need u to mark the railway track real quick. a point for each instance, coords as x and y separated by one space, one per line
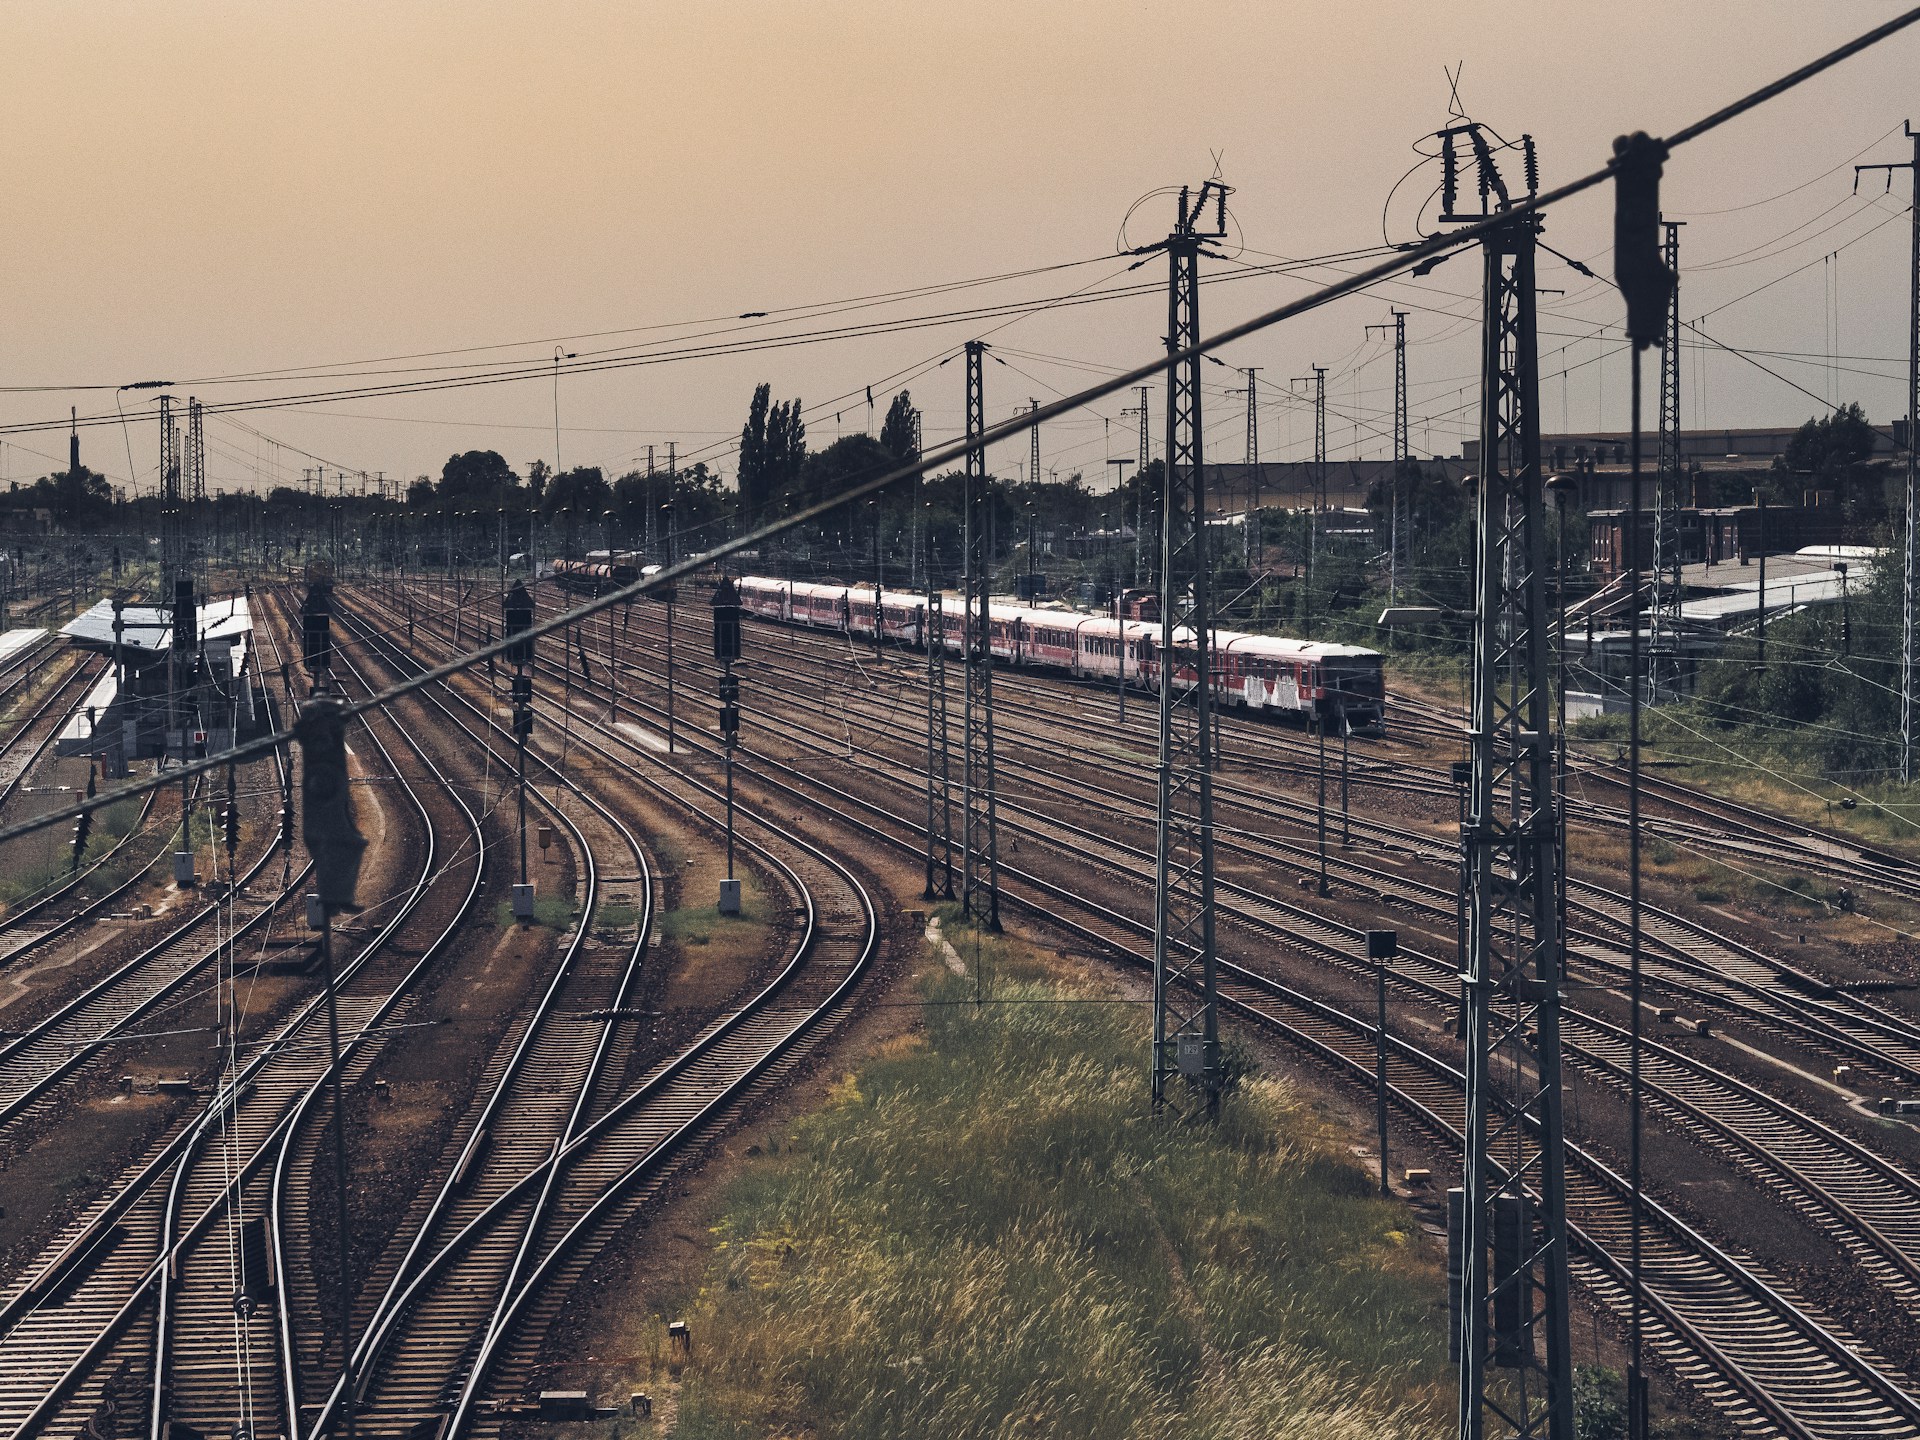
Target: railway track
604 1166
41 726
100 1313
1802 1410
1694 964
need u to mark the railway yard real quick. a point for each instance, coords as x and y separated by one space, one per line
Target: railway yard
1058 887
521 1096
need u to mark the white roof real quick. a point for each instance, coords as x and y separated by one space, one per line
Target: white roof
14 641
79 729
150 628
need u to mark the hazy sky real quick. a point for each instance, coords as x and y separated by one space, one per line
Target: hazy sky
202 190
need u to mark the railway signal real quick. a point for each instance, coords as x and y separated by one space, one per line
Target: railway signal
516 620
726 649
1382 946
83 827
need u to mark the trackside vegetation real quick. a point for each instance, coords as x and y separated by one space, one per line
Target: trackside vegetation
985 1233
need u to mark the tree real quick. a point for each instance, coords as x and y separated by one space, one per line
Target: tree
754 474
419 493
581 492
786 452
76 497
900 431
476 477
1835 453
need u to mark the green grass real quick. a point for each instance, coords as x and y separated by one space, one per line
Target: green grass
700 922
988 1234
555 912
616 916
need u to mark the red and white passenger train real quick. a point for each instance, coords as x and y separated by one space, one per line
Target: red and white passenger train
1253 672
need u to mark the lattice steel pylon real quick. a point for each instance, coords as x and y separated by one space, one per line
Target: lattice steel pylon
1511 1239
1398 482
1663 670
1186 1009
172 530
196 456
1910 573
939 767
980 860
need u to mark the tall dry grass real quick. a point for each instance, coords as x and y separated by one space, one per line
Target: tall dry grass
986 1234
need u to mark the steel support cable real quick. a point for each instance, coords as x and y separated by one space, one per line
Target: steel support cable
1017 424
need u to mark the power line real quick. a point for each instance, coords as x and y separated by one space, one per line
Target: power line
1406 259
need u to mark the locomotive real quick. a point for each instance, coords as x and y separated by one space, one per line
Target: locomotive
1338 684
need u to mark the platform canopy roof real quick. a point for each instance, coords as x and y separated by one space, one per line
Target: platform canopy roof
149 629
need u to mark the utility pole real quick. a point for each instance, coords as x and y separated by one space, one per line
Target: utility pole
1140 412
172 537
1319 379
1910 587
980 855
1399 480
917 559
1252 523
1512 1207
1033 466
1663 670
1186 1010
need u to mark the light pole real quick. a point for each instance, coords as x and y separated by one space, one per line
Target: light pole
1120 500
560 353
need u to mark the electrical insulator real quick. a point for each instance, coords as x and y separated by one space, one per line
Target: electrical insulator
1532 158
1449 174
586 670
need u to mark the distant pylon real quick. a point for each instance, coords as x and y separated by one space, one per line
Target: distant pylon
1663 673
980 855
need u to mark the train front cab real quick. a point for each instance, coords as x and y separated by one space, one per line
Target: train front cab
1353 693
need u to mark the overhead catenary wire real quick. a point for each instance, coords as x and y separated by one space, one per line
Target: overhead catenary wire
1018 424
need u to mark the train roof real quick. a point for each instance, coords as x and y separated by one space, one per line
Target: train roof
1241 643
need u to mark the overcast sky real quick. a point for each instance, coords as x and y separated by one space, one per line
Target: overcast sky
204 190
